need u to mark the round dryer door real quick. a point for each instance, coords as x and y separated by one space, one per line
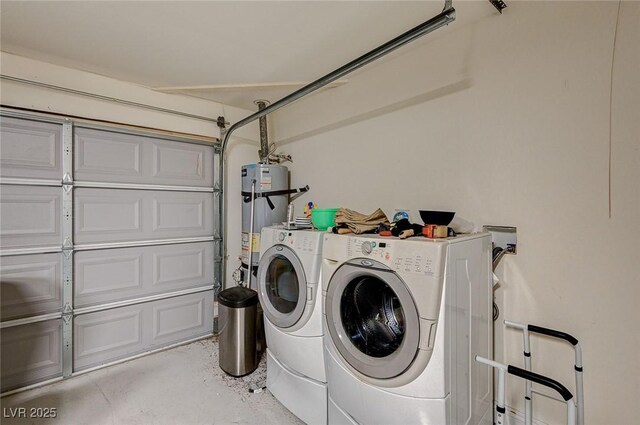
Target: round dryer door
282 286
372 319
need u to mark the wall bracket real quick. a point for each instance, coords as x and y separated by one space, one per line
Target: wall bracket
498 4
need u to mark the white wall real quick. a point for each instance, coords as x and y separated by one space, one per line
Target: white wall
242 147
505 120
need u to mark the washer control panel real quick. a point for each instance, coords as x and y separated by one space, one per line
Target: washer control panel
401 256
373 249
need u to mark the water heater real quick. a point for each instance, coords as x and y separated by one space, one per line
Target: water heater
270 185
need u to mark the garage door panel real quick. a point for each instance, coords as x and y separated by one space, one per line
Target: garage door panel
110 335
30 216
30 285
121 158
107 276
108 214
180 214
184 265
187 164
180 318
112 215
111 275
30 149
174 318
31 353
100 157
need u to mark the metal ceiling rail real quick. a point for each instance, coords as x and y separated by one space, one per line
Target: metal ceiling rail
444 18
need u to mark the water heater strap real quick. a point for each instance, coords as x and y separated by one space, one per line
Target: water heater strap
247 195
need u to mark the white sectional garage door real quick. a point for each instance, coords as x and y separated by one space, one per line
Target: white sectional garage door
106 243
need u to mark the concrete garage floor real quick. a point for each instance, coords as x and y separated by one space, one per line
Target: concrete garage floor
183 386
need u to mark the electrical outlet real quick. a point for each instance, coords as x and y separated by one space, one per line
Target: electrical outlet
504 237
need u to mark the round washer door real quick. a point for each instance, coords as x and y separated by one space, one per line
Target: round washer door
372 319
282 286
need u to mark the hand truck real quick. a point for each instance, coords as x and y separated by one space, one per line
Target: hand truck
526 331
529 376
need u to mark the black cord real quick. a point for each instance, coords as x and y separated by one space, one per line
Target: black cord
497 254
257 390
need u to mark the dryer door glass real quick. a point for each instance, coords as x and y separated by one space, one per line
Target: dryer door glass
282 285
372 316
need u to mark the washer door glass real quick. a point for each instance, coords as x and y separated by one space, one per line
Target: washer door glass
372 319
282 286
372 316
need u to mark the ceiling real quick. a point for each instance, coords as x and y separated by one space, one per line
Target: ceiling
262 49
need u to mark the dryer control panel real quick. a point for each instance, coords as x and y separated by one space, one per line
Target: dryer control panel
301 241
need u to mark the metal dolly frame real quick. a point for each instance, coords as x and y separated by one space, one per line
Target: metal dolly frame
526 331
529 376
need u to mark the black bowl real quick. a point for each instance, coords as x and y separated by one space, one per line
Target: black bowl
442 218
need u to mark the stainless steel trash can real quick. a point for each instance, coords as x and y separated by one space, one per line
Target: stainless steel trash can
237 323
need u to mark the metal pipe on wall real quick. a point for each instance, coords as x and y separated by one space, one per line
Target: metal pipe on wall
263 153
253 209
444 18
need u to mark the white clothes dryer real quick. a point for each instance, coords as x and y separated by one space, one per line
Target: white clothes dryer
290 294
404 320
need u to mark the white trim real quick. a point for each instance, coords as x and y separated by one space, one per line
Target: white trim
28 251
116 127
109 306
105 185
110 245
32 386
28 320
29 182
137 356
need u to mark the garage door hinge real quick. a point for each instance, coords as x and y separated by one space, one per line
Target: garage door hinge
67 312
67 179
67 245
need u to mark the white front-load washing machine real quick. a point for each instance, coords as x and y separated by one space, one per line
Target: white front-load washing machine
290 294
404 320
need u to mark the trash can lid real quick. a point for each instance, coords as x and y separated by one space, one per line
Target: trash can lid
238 297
